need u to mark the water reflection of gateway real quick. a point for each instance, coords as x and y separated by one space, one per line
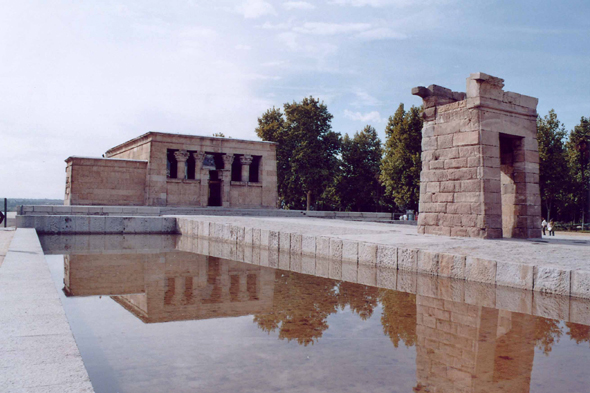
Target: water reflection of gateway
172 286
466 348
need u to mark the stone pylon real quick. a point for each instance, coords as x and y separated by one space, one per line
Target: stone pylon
480 162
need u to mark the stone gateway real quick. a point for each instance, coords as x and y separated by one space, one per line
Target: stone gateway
159 169
480 162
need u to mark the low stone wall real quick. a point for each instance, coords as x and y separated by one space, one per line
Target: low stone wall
54 224
545 279
570 309
209 211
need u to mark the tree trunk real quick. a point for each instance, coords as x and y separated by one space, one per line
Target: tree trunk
308 200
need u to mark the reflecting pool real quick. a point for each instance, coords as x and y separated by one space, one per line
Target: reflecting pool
155 319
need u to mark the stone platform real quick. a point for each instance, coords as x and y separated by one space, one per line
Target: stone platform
558 265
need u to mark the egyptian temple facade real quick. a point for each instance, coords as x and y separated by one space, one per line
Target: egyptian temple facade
480 162
159 169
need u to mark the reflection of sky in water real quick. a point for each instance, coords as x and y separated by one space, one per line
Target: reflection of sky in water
124 354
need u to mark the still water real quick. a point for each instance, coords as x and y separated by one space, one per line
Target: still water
174 321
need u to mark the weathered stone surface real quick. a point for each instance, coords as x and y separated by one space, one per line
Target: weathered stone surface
552 280
407 259
480 270
349 271
462 143
514 275
451 266
367 254
350 251
387 277
428 262
387 256
308 245
580 283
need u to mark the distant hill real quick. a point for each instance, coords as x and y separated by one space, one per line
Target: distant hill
14 202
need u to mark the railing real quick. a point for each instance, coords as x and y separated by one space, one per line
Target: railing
4 216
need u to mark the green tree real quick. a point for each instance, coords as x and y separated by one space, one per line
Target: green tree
578 148
553 166
358 185
308 147
401 165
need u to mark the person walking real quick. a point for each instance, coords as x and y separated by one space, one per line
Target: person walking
544 225
551 228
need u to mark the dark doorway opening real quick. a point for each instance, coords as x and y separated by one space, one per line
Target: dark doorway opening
512 186
214 189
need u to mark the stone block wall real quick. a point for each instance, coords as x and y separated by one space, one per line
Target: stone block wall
100 181
480 162
161 190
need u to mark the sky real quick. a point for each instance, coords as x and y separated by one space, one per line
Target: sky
77 78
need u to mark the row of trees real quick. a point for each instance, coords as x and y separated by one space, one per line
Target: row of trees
319 169
564 168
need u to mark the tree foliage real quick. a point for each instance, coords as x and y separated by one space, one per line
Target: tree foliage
307 159
553 166
358 185
578 149
401 165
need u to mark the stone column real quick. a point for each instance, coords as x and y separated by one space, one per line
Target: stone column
199 156
228 160
246 160
181 157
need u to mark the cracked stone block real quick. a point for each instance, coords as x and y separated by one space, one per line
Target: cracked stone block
367 254
264 257
580 284
256 238
452 289
308 245
514 275
273 240
264 238
284 260
580 311
296 262
323 247
427 285
284 242
407 259
552 280
273 258
480 270
296 245
350 251
336 249
387 256
248 236
428 262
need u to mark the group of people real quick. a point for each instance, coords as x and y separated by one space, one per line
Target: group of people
548 226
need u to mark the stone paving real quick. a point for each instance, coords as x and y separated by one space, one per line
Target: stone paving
559 264
38 350
5 238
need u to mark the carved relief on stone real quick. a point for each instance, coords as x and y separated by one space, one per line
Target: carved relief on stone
199 156
246 159
228 159
181 155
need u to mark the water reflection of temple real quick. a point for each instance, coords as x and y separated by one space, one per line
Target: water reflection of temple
171 286
466 348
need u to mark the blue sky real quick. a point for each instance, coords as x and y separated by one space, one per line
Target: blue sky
77 78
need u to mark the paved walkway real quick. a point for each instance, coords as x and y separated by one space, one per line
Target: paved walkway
38 352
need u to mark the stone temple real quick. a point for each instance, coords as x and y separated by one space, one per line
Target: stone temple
480 162
159 169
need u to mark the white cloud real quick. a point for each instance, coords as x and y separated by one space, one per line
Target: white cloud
275 26
276 63
321 28
382 33
252 9
385 3
364 98
298 5
369 117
